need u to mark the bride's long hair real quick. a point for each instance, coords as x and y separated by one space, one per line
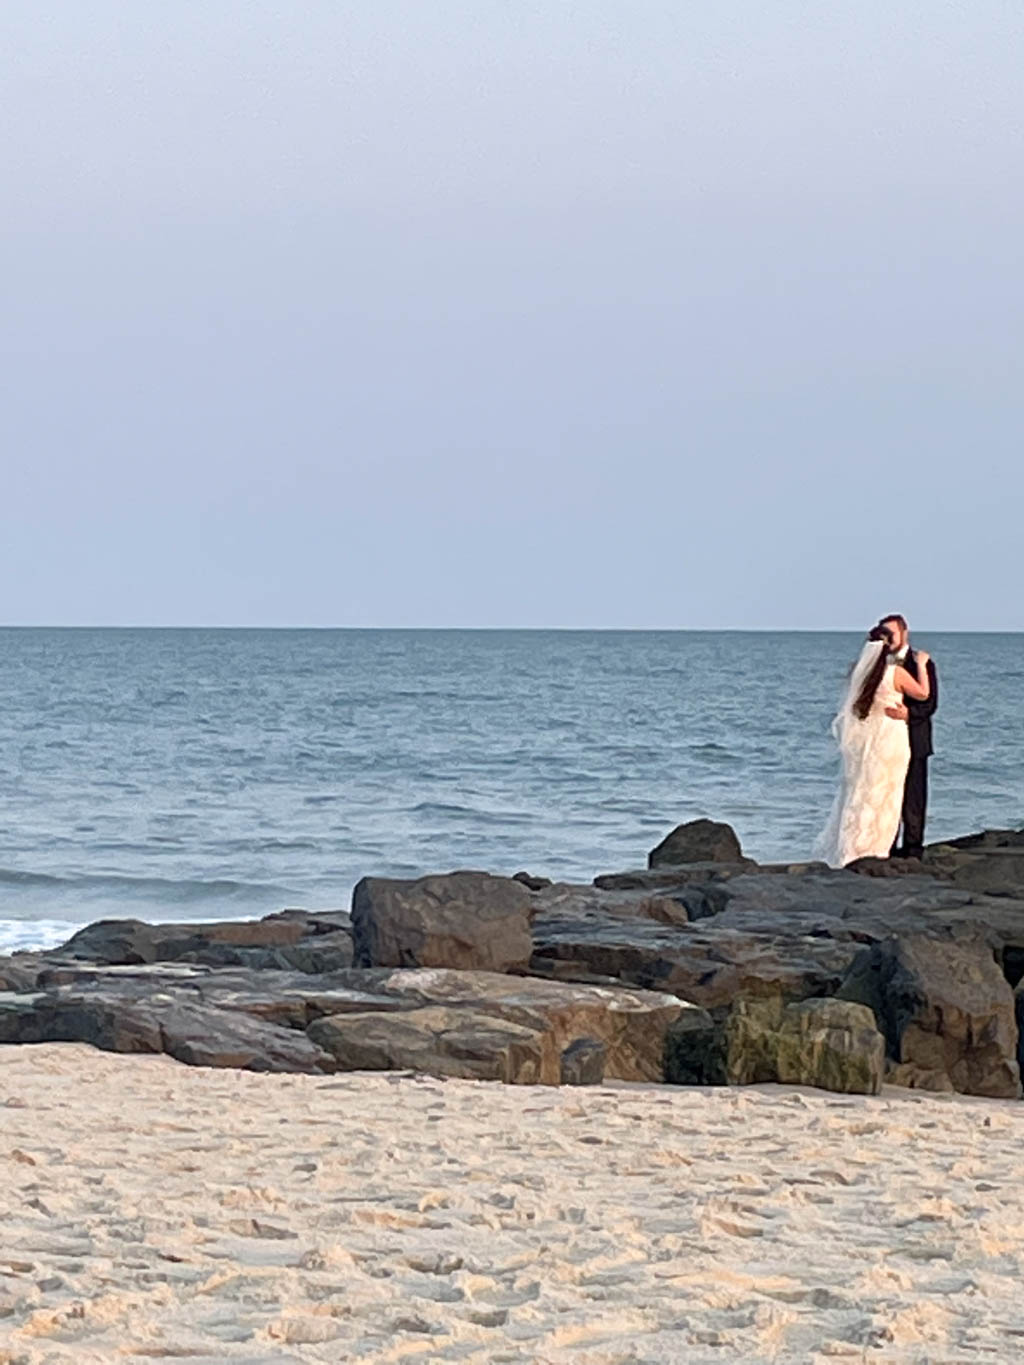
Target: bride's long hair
866 695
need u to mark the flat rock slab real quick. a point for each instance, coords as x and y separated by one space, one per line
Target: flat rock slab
631 1024
436 1041
300 940
707 963
192 1033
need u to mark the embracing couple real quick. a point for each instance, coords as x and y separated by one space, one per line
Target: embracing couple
884 729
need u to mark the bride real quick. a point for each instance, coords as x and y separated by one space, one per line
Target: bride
875 750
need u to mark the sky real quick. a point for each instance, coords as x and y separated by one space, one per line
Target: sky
512 313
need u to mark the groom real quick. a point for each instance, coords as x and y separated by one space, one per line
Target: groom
918 715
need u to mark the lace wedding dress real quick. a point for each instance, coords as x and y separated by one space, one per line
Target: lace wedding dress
875 755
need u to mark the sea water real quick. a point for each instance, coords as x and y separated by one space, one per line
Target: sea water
188 774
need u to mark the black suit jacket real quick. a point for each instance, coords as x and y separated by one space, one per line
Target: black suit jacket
921 712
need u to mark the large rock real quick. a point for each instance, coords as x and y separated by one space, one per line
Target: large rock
193 1033
631 1024
435 1041
466 920
301 940
943 1005
288 999
831 1044
698 841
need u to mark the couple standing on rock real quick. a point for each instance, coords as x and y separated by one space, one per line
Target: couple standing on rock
884 730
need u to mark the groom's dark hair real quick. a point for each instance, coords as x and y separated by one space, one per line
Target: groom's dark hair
901 621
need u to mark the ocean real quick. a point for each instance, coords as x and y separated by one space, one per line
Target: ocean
193 774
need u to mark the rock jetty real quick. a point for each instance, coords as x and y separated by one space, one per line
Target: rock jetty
701 968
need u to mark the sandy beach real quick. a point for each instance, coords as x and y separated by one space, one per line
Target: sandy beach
158 1211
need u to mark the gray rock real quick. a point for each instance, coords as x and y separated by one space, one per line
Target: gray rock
996 871
126 942
193 1033
465 920
708 963
985 840
531 882
698 841
21 972
298 939
672 879
943 1005
670 905
435 1041
582 1062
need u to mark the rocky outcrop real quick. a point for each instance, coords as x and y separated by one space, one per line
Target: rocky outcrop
705 972
256 1019
466 920
435 1041
698 841
944 1006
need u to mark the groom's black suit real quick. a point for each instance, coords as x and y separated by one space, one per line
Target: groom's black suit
915 793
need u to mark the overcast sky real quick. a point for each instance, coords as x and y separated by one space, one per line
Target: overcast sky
626 313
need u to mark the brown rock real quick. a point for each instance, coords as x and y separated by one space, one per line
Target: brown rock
912 1077
631 1024
435 1041
943 1005
465 920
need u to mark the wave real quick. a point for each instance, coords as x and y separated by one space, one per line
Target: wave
151 888
33 935
444 811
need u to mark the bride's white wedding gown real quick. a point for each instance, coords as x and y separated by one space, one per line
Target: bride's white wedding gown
876 753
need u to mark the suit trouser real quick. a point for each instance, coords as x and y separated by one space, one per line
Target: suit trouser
915 805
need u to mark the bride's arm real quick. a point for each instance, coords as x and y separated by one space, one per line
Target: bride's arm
907 684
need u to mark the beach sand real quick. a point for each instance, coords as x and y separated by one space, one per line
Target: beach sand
158 1212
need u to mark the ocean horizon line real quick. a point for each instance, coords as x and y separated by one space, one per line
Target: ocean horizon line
496 630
